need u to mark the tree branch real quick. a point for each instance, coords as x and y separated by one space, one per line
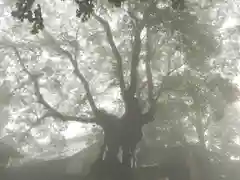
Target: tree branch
81 77
161 89
136 49
148 68
149 116
114 49
51 111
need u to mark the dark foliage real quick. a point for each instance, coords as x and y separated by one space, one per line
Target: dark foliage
178 4
85 8
24 11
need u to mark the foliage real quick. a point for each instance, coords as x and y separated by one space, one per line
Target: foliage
85 9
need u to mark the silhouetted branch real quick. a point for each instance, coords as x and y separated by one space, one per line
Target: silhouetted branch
115 51
136 48
51 111
79 75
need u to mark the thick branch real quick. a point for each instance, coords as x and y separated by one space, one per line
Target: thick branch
51 111
115 51
148 69
136 49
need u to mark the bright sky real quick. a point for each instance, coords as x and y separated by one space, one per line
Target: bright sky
75 129
230 22
78 129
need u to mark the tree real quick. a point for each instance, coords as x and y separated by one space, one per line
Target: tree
187 72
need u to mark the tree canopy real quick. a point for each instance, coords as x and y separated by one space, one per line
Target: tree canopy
147 75
25 10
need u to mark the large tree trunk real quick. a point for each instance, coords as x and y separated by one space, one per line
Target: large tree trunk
121 138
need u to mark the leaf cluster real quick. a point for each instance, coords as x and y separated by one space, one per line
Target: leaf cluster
24 11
